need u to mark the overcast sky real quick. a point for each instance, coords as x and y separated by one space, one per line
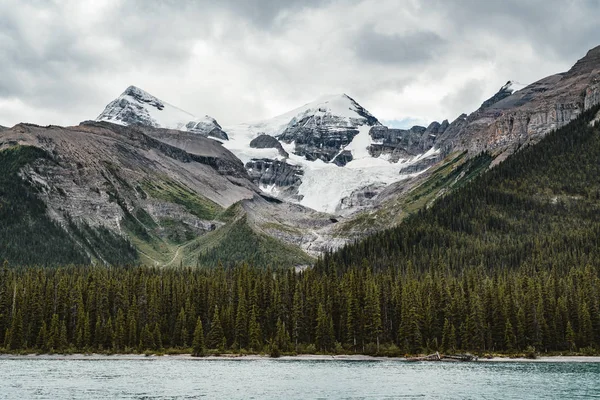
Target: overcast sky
407 61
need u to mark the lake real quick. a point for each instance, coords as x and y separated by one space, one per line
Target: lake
168 378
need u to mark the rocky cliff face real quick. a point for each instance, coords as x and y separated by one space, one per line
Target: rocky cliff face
332 155
137 107
268 142
162 190
505 122
276 177
100 172
322 131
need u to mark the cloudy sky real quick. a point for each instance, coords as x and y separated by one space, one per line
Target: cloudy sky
406 61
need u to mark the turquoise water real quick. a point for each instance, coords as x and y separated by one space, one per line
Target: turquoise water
163 378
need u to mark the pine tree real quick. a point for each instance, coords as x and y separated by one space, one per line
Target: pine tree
241 322
42 337
372 314
180 335
146 339
254 332
570 336
158 342
63 341
324 334
198 348
282 338
119 328
53 341
16 341
216 335
510 339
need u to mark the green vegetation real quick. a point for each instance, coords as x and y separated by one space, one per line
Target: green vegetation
238 242
29 237
251 310
174 192
452 173
538 209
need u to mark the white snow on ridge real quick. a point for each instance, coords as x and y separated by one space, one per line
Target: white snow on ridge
338 105
513 86
323 185
154 112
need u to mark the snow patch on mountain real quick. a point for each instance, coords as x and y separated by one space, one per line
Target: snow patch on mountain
512 86
136 106
324 184
342 106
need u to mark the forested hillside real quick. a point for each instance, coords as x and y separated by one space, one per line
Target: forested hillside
540 208
29 236
246 309
506 264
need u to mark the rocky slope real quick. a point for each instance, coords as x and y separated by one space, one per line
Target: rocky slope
173 195
514 116
178 196
503 123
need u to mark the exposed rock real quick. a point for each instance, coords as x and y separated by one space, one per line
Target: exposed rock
420 165
316 140
431 134
530 113
137 107
503 93
362 198
343 158
322 131
277 174
400 143
99 171
268 142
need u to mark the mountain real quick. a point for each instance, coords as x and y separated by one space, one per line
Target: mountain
298 156
279 192
107 193
135 106
538 210
504 123
515 116
329 160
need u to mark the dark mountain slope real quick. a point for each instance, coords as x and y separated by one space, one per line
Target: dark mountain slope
540 207
105 193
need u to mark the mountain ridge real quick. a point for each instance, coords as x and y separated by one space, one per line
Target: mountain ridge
136 106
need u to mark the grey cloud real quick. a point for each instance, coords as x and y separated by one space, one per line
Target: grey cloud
268 51
467 99
409 48
561 29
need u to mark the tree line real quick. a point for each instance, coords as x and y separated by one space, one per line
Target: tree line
245 309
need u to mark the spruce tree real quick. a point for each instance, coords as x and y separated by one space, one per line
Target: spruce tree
254 332
215 335
198 348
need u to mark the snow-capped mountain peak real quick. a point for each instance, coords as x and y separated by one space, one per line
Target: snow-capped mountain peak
327 154
512 86
136 106
505 91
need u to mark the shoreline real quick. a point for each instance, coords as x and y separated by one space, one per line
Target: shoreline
302 357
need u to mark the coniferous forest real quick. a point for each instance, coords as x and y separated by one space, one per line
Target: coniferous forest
505 264
245 309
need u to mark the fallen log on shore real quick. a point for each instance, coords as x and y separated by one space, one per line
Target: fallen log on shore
450 357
